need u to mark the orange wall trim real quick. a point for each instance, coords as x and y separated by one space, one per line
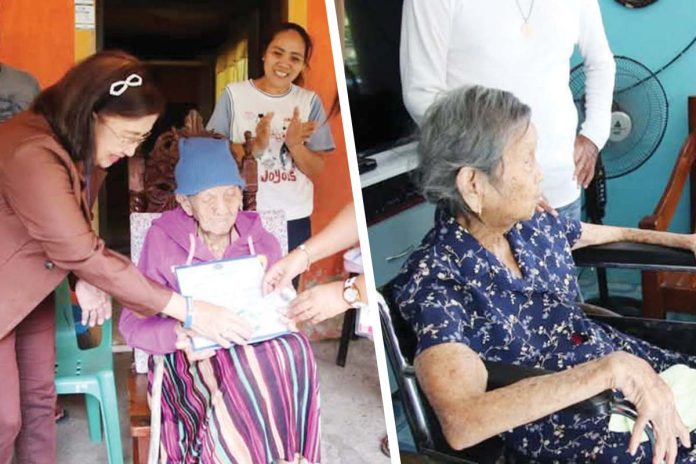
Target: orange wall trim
38 37
297 12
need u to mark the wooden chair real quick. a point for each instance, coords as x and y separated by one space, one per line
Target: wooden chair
151 190
673 291
151 182
138 407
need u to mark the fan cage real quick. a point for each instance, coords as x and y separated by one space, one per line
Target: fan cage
640 94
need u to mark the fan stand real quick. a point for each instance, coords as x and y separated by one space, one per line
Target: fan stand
629 75
596 201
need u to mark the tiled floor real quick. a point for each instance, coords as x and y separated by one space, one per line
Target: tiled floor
408 458
352 414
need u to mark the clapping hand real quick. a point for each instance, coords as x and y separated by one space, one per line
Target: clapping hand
263 133
308 129
298 132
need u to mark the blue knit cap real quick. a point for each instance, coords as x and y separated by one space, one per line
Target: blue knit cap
205 163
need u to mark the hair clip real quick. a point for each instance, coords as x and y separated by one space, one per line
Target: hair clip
118 87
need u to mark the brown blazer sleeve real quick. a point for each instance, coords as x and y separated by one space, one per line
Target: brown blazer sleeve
40 190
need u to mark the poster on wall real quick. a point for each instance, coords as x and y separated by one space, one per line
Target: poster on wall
84 14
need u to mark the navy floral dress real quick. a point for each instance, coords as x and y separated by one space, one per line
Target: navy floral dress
452 290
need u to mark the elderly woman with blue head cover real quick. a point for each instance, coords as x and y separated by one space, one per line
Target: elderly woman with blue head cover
251 403
494 280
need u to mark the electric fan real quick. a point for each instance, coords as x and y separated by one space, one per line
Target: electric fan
639 115
638 123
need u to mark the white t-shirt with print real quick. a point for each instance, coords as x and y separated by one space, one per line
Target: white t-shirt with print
447 44
281 184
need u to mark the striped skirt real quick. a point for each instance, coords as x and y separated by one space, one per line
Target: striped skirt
254 404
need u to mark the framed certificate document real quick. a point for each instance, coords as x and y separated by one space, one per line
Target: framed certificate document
235 284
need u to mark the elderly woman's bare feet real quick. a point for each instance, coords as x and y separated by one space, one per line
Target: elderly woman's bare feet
384 446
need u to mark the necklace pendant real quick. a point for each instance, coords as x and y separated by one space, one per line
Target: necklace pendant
526 30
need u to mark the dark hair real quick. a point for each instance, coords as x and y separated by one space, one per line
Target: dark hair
84 90
309 47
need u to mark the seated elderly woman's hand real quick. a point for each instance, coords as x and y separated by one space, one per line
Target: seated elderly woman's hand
318 303
95 304
654 402
219 324
183 342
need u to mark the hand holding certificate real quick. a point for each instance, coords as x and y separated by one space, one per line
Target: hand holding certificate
236 284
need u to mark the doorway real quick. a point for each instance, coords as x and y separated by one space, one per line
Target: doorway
187 46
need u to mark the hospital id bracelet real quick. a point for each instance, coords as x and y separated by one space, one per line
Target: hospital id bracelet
188 322
306 252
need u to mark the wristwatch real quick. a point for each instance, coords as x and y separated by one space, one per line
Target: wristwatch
351 294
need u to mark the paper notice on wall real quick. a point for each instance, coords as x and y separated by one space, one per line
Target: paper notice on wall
85 17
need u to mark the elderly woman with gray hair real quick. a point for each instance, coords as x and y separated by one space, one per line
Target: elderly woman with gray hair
495 280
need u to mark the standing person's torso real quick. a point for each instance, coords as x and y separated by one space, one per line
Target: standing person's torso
490 48
281 184
27 276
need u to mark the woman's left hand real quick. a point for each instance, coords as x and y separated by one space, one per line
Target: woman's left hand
318 303
298 132
95 304
308 129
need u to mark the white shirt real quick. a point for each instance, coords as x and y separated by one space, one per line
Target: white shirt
446 44
281 184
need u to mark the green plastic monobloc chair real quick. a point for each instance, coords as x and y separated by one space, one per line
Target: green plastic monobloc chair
88 372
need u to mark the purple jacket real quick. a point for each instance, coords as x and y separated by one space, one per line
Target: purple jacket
167 245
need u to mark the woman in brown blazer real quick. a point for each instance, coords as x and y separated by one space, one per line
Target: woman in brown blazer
98 113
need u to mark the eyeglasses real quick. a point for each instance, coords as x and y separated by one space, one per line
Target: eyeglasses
126 140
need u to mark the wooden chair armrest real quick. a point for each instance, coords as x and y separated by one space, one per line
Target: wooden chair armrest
664 211
649 222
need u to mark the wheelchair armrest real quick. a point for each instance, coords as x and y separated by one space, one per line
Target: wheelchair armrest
641 256
501 375
671 335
